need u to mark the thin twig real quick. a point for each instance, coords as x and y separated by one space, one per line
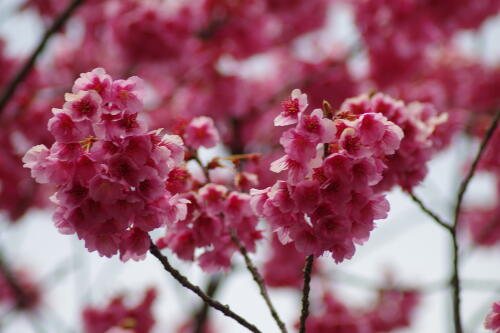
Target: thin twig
28 65
305 293
433 215
197 290
260 282
455 278
465 183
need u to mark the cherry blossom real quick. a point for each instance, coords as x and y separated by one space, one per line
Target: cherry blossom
330 201
119 317
110 172
492 321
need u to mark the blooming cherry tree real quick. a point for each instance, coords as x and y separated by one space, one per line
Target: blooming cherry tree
248 133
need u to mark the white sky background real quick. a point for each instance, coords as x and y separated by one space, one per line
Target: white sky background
408 243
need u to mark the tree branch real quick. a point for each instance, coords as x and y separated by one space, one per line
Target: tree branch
197 290
201 316
455 283
455 278
433 215
260 282
305 293
28 65
465 183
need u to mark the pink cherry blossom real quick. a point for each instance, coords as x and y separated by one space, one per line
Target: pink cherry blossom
201 132
492 321
409 138
110 172
292 109
117 316
96 80
83 105
330 200
316 127
215 213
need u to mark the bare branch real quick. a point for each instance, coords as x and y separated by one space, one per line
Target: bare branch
433 215
260 282
455 277
465 183
305 293
201 316
197 290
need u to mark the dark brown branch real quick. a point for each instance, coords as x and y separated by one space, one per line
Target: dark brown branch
433 215
28 65
260 282
465 183
305 293
197 290
455 283
455 277
201 316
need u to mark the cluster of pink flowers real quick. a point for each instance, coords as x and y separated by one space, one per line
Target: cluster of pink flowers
218 206
398 33
334 162
421 124
118 317
455 82
213 214
283 266
17 192
393 310
483 224
166 32
492 321
110 172
168 36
